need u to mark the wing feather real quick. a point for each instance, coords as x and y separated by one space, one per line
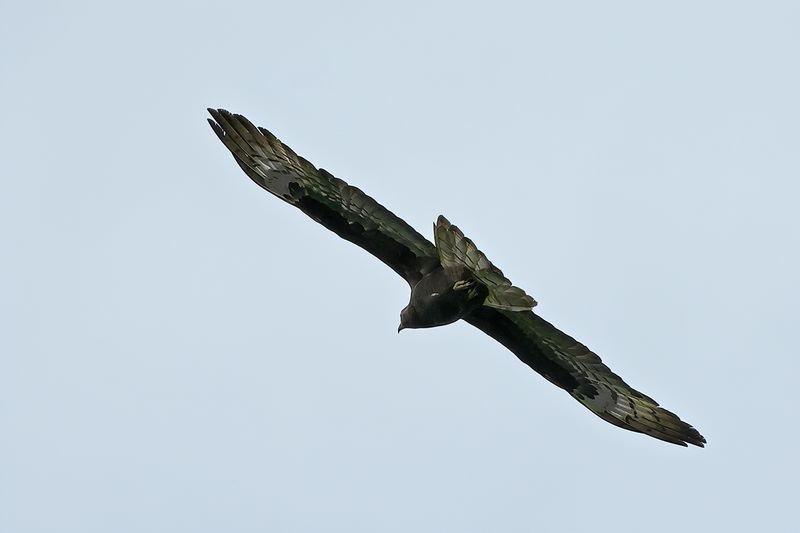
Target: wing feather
572 366
342 208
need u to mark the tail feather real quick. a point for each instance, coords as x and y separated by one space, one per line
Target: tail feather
456 250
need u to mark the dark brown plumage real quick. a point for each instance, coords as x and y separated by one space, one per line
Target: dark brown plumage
450 280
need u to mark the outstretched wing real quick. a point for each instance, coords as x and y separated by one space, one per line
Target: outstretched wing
576 369
342 208
456 250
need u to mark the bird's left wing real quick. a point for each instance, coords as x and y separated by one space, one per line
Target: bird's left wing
572 366
342 208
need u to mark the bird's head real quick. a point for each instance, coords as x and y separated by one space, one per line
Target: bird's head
408 318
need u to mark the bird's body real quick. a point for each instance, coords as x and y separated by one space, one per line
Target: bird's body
441 297
449 280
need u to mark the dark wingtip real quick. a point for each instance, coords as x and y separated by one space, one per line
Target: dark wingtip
700 442
217 129
692 436
218 112
695 438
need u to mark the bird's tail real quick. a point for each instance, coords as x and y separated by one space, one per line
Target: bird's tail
456 250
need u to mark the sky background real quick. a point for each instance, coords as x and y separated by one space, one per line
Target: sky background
180 351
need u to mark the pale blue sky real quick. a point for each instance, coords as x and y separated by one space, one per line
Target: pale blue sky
183 352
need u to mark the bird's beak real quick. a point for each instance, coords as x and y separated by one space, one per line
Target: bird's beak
400 328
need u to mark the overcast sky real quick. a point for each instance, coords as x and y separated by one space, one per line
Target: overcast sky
180 351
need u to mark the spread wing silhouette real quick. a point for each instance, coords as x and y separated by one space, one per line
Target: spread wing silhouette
356 217
570 365
342 208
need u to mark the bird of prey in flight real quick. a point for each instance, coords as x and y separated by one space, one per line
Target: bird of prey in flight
450 279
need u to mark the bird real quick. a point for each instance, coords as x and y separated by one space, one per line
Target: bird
450 279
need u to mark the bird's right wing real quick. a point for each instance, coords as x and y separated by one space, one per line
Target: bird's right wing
342 208
570 365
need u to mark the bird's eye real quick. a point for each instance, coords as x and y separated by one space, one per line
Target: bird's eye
434 294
